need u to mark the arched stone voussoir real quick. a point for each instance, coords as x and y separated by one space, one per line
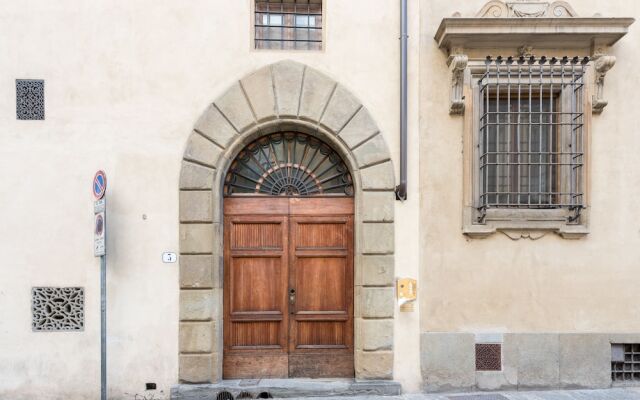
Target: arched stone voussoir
233 104
317 90
261 94
373 151
287 83
359 129
201 150
215 126
341 108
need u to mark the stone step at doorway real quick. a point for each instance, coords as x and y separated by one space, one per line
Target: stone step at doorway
244 389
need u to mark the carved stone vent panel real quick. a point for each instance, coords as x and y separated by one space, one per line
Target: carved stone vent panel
29 99
288 164
57 309
488 357
625 362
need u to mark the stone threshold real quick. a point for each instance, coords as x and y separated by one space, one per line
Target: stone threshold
285 388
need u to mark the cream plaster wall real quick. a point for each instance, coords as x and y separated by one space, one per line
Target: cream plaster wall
125 82
548 285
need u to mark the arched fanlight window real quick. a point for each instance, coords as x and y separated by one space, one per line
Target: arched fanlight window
288 164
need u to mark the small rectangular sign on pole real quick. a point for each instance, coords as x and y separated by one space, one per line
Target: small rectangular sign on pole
99 231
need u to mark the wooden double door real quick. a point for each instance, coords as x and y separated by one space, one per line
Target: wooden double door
288 287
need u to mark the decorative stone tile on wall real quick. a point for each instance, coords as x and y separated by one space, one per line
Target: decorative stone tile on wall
57 309
29 99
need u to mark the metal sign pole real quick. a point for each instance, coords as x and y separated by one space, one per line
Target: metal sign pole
103 327
99 188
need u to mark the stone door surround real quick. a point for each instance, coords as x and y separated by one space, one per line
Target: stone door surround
286 96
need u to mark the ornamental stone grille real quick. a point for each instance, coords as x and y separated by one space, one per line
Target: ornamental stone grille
57 309
29 99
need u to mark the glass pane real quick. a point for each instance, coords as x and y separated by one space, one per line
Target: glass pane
275 19
517 146
302 20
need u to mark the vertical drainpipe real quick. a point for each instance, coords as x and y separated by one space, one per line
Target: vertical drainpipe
401 189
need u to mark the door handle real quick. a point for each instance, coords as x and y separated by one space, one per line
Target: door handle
292 296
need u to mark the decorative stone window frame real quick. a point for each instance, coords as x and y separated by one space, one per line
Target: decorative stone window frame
523 28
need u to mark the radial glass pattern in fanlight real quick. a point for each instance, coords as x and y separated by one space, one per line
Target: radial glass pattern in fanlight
288 164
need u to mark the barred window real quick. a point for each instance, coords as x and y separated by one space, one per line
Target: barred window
530 140
288 24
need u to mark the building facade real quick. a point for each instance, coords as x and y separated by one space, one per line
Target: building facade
261 143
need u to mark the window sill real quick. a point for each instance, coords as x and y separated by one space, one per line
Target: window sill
524 224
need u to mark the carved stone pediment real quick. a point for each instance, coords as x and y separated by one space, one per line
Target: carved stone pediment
525 25
526 9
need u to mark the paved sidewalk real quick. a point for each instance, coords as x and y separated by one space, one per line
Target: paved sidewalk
604 394
607 394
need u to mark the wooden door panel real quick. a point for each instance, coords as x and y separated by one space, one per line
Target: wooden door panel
320 284
300 206
258 235
256 284
256 364
256 206
321 319
256 263
272 246
321 236
320 334
255 334
327 364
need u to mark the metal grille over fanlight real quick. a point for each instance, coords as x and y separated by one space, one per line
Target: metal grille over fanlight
288 164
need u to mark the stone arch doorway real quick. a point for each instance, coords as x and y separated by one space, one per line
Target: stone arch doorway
285 96
288 261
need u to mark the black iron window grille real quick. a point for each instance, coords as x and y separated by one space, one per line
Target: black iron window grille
531 144
288 164
288 25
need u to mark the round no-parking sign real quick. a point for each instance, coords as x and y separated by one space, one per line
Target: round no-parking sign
99 184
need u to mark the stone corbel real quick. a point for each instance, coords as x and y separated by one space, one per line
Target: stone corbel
457 64
602 63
